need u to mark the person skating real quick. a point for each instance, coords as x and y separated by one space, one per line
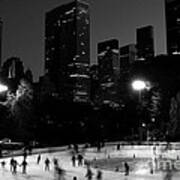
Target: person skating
73 160
118 147
47 163
56 165
3 163
89 174
126 166
24 165
99 175
38 158
15 163
11 164
80 159
55 161
25 153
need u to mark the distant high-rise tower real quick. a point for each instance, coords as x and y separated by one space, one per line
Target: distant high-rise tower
172 8
67 49
109 69
1 26
108 57
145 42
127 57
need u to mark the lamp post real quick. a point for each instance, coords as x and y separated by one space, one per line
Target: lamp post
139 85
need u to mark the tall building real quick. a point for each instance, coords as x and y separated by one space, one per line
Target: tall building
67 49
127 57
95 85
108 57
109 69
145 42
1 26
172 8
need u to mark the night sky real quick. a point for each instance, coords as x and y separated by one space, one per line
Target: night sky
23 31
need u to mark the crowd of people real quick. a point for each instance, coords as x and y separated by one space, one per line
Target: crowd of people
77 160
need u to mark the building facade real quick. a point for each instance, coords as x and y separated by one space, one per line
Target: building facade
1 26
67 50
109 70
127 57
172 9
145 42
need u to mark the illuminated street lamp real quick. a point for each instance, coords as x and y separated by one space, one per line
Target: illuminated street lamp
3 88
139 85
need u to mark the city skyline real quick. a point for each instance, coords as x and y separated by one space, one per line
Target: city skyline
24 23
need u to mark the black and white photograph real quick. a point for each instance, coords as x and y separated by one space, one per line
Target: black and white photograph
89 89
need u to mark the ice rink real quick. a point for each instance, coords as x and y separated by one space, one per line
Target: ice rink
37 172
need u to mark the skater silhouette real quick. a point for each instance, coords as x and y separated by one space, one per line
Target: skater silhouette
47 162
24 165
126 166
38 159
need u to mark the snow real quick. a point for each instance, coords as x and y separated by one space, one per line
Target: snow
37 172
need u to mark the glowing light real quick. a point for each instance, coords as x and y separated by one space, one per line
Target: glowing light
138 85
3 88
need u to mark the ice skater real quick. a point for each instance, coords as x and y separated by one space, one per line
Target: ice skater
126 166
73 160
3 163
25 153
55 161
89 174
24 165
80 160
47 163
99 175
11 164
14 165
38 158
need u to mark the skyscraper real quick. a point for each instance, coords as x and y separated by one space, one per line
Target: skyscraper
109 69
108 57
145 42
1 26
127 57
172 8
67 49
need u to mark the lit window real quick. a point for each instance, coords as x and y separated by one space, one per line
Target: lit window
70 11
59 23
81 34
178 20
87 21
